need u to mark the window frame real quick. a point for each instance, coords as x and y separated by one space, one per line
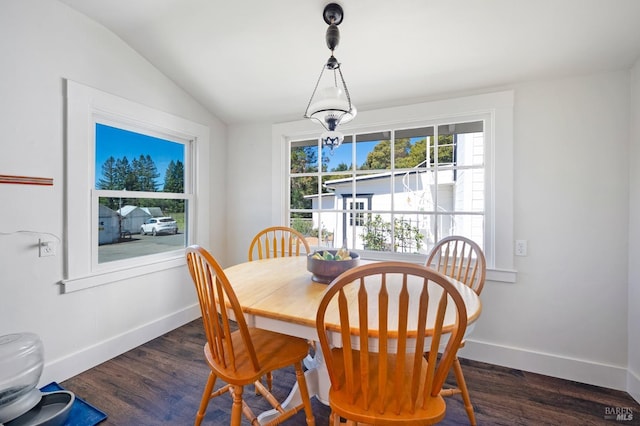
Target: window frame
86 107
496 107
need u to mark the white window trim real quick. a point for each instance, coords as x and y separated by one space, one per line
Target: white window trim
498 161
84 106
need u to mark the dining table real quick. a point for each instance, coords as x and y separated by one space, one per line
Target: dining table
280 294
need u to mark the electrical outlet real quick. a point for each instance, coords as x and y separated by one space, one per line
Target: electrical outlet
521 247
46 248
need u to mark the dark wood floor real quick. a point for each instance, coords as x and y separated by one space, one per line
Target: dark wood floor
161 382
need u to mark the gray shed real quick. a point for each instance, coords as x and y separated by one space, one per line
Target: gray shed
132 218
108 226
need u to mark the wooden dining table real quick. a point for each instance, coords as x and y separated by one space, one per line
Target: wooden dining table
279 294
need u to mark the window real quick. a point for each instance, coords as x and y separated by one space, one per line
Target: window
140 192
420 184
404 178
132 180
356 219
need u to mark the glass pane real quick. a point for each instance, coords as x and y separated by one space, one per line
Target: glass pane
409 232
337 183
378 185
135 162
129 227
461 190
411 147
351 217
415 191
470 149
314 228
340 158
461 144
325 229
373 151
304 156
304 190
327 218
303 223
375 233
471 226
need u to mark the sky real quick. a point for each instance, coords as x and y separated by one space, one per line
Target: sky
119 143
342 154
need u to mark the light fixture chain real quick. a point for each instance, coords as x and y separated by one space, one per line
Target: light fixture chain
346 91
306 112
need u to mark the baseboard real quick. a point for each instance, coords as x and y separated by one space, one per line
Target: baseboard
68 366
633 386
577 370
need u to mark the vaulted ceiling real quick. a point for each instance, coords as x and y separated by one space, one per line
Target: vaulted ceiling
258 60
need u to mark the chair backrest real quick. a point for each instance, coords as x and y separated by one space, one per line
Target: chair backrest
461 259
387 308
216 295
278 241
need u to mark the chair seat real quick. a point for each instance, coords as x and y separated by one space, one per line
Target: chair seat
341 404
274 351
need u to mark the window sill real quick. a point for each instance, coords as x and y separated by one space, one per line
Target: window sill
94 280
502 275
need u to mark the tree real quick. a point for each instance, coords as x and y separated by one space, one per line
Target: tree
118 175
109 175
145 174
416 155
174 177
174 182
446 145
124 178
341 167
380 157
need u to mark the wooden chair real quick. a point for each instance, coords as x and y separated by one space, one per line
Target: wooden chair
240 357
278 241
376 366
463 260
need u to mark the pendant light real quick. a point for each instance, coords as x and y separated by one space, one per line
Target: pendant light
330 103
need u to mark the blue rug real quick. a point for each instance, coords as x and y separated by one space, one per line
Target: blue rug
82 413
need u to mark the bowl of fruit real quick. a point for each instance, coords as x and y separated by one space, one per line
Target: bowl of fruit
325 265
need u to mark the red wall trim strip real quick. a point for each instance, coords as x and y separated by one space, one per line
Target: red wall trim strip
26 180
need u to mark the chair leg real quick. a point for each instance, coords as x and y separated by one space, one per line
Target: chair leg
269 377
206 397
457 369
236 408
304 394
269 381
335 419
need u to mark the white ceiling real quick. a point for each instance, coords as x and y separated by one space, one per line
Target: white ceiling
258 60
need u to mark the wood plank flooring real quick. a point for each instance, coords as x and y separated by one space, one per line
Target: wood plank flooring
161 382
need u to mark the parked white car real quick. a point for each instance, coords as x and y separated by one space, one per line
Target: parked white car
159 225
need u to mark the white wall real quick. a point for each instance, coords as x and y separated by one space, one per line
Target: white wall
42 43
249 194
566 315
633 386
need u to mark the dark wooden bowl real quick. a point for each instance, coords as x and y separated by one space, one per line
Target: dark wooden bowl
324 271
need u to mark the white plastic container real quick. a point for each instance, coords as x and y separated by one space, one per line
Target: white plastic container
21 362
